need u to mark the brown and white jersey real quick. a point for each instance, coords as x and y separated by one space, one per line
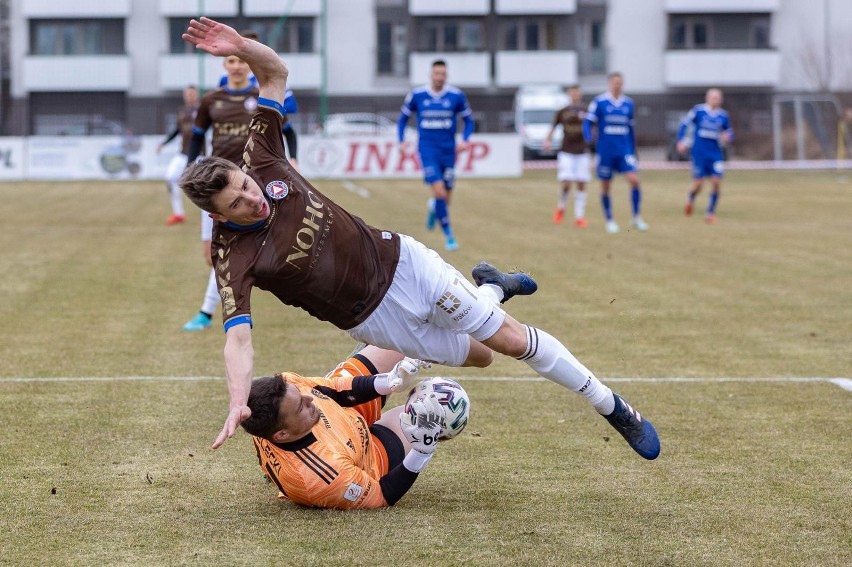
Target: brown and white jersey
185 121
309 253
571 119
229 113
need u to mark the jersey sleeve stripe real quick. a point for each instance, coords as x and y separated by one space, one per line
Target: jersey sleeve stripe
238 320
273 104
321 463
323 476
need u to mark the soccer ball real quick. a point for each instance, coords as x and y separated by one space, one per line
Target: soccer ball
452 397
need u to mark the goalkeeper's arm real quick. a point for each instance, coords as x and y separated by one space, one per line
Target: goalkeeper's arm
421 427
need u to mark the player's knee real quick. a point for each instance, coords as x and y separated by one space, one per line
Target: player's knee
510 339
479 356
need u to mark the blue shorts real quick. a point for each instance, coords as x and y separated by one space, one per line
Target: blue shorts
703 166
609 164
439 164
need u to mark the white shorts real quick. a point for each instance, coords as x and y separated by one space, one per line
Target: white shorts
430 310
573 167
175 169
206 227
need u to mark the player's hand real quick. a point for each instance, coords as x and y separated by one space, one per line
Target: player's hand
402 377
546 145
681 147
235 417
213 37
724 138
403 148
422 423
462 146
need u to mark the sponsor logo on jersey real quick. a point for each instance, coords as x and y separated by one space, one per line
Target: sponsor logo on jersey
353 492
277 190
250 104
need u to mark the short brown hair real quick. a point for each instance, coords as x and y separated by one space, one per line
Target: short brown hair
264 401
204 179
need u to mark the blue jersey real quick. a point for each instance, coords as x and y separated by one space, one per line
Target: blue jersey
436 116
708 125
614 120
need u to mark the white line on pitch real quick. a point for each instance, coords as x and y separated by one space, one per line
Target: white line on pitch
845 383
355 188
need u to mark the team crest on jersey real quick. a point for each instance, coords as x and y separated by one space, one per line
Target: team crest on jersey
353 491
250 104
277 190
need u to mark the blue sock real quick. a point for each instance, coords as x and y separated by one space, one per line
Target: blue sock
711 206
443 216
636 199
607 206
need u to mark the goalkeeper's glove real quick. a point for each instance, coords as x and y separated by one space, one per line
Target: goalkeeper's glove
401 377
421 423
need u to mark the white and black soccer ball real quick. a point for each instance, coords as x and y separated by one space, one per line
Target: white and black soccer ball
453 399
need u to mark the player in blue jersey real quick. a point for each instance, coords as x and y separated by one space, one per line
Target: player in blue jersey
711 132
437 106
612 113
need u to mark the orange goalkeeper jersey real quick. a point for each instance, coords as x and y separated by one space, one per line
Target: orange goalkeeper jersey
338 464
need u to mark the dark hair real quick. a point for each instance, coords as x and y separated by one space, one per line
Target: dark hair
264 401
250 34
572 87
614 74
439 63
204 179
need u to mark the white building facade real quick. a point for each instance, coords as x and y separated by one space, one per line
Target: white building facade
89 66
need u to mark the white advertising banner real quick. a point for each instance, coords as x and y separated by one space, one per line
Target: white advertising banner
494 155
12 158
135 157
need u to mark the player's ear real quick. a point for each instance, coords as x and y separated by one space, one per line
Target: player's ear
217 217
280 436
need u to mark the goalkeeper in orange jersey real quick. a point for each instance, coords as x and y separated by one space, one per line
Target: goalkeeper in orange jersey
325 442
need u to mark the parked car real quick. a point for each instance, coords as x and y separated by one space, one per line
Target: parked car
534 108
359 124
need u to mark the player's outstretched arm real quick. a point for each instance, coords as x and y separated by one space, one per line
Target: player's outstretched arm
219 39
239 365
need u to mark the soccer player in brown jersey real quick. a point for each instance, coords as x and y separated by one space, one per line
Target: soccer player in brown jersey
326 442
228 110
573 162
277 232
183 127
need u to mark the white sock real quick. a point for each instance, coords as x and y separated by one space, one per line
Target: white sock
579 204
177 198
492 292
211 294
550 359
563 199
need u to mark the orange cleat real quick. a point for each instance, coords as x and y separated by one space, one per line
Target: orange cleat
175 219
687 210
710 219
581 223
557 216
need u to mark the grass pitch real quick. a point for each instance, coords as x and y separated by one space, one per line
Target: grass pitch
752 473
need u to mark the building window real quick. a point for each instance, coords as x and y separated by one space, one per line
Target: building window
77 37
689 33
291 35
452 35
528 34
719 31
392 49
591 53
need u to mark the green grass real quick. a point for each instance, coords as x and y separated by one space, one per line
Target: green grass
120 472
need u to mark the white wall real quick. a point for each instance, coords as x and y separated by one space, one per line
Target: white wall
351 47
636 35
799 32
